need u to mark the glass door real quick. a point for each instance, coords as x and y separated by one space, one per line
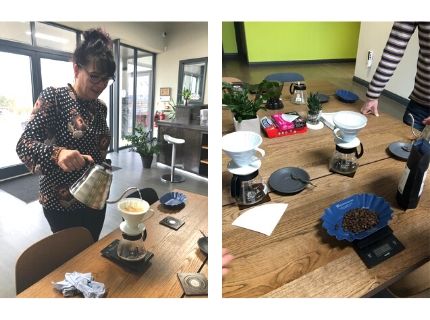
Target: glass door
144 89
16 103
126 94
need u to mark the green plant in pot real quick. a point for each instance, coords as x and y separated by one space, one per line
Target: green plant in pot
244 106
186 95
271 92
143 144
314 108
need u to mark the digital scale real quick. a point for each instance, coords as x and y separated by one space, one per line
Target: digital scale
378 247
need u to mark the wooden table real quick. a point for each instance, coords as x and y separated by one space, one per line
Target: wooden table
174 252
300 259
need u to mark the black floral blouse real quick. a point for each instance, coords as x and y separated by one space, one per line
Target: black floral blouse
60 120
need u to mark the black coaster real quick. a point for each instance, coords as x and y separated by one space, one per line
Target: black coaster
172 222
138 266
194 284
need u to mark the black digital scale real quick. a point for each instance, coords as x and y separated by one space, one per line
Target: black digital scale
378 247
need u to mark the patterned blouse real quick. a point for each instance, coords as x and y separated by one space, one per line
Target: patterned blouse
60 120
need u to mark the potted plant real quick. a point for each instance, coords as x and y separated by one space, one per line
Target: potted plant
186 95
271 91
314 109
170 111
243 105
144 144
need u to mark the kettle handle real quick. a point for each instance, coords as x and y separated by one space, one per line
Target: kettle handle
291 87
233 185
358 155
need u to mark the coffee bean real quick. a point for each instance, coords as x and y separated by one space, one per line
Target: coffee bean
359 219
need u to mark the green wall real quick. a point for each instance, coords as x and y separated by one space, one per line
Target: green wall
229 38
292 41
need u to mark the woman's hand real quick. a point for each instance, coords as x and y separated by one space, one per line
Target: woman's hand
370 107
72 160
426 121
226 259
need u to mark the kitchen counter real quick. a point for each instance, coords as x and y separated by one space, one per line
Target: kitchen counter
192 156
192 125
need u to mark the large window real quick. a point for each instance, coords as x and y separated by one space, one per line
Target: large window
136 83
33 56
127 94
144 89
16 102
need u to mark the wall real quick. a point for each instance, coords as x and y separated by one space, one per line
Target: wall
373 36
144 35
229 38
298 41
185 40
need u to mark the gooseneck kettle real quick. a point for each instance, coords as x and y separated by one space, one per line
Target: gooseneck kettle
92 189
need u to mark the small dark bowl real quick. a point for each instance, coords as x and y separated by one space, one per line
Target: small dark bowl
346 96
173 200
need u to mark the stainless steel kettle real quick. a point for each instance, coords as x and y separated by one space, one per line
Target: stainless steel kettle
92 189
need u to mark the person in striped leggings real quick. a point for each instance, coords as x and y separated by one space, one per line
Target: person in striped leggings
419 104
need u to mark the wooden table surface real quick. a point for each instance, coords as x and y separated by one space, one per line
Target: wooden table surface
174 252
300 259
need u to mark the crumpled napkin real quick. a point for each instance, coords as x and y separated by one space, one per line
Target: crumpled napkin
263 218
76 282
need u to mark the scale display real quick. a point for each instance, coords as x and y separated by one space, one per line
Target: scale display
378 247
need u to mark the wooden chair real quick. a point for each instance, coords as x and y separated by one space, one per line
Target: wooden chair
231 80
49 253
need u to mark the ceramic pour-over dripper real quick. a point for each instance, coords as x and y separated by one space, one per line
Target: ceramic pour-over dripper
243 147
348 124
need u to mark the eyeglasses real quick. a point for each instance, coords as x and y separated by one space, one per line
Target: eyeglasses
96 78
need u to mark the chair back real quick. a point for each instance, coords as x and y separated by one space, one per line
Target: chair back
285 77
49 253
148 194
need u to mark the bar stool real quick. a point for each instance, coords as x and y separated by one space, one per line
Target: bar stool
172 177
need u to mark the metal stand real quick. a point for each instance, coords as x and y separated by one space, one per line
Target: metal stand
172 177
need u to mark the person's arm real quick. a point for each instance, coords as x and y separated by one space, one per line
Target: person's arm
31 147
394 50
226 259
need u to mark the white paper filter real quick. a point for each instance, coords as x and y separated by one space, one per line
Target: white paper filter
263 218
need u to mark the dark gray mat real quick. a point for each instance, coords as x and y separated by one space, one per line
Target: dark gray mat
27 188
24 188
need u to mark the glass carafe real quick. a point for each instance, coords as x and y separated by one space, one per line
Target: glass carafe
131 247
345 160
248 189
298 93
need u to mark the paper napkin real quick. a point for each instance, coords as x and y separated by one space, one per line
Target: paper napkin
262 219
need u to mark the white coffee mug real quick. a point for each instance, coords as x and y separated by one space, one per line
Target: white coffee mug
243 147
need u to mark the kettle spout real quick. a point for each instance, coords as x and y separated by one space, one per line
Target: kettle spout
123 194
